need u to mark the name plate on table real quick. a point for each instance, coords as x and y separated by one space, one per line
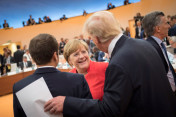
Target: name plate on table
27 69
11 73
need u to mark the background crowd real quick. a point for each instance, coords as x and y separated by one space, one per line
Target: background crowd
47 19
115 74
95 54
21 57
138 78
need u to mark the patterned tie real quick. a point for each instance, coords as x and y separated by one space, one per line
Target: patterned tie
170 66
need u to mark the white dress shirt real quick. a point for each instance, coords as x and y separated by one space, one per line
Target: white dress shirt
29 58
113 43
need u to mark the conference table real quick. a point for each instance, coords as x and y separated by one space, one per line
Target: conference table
6 82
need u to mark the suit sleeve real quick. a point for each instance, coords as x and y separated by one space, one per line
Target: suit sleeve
85 89
17 109
12 60
14 56
136 32
117 94
29 64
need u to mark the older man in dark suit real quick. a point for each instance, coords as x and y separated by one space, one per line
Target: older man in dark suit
25 63
135 84
156 27
58 83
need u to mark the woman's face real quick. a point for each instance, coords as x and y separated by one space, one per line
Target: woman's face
80 59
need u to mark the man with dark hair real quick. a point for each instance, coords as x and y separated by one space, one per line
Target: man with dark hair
138 17
172 30
126 2
58 83
5 25
30 21
135 81
18 55
48 19
61 46
63 18
156 28
110 6
8 60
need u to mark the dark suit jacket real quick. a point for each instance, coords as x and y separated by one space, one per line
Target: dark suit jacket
5 25
2 64
18 56
137 32
59 83
136 85
61 47
29 21
21 64
172 31
157 47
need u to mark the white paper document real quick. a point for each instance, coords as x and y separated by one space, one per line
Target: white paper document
33 97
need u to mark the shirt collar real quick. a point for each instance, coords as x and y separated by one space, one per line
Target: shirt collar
113 43
46 66
157 40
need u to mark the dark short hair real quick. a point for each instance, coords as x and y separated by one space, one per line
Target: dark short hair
150 21
173 17
42 48
18 46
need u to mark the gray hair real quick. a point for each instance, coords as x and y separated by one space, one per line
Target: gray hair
150 21
103 25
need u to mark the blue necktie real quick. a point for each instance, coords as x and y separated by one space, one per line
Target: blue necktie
170 66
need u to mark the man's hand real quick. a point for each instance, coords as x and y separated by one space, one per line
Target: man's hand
55 105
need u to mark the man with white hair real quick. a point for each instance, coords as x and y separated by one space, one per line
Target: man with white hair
135 83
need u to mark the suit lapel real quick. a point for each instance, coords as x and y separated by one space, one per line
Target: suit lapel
157 47
119 44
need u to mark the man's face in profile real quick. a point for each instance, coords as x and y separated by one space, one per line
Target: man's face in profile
25 59
163 27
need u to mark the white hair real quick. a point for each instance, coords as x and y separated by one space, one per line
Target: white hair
103 25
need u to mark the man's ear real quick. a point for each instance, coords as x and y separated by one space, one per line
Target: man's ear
157 29
55 56
98 39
